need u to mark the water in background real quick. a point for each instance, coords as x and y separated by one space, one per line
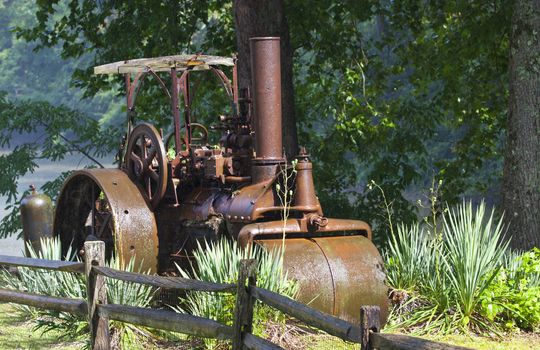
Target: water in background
45 172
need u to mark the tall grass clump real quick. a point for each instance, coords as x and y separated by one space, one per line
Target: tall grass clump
71 285
219 262
408 257
52 283
446 274
474 254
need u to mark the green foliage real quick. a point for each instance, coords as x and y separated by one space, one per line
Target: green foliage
56 132
447 275
70 285
42 75
409 257
513 299
389 91
219 262
471 241
112 31
126 293
53 283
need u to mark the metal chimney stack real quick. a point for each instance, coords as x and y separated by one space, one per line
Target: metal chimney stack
266 87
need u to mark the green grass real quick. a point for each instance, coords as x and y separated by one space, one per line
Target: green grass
16 332
512 342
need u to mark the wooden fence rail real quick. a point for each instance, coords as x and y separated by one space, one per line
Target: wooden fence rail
99 311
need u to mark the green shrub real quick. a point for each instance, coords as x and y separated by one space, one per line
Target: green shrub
447 274
408 257
513 299
219 262
70 285
473 255
52 283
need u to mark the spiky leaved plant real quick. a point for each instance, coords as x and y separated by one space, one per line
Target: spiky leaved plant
70 285
475 249
408 257
126 335
219 262
45 282
456 268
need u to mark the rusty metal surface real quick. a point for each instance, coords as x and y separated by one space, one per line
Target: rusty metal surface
302 227
228 189
266 85
146 162
336 274
127 220
37 219
304 196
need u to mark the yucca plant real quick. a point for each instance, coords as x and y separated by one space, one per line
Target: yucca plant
449 279
126 335
70 285
408 257
45 282
475 251
219 262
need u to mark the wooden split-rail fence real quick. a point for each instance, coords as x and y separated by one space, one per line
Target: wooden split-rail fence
99 312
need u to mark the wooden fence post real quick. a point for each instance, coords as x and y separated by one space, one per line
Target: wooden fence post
243 312
94 253
369 321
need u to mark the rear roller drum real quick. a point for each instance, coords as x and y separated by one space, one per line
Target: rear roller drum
104 204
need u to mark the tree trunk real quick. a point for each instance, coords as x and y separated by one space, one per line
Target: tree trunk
521 178
267 18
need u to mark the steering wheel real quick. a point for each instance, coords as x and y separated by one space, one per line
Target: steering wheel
201 140
146 162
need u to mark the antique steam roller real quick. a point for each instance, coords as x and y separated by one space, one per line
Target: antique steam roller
173 190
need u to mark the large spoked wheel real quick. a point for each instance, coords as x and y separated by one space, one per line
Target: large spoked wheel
146 162
104 204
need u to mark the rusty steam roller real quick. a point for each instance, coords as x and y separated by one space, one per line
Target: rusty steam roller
174 190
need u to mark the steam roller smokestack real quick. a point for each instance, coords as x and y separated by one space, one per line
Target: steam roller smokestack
266 87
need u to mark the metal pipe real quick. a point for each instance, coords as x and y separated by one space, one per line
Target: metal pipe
337 226
266 85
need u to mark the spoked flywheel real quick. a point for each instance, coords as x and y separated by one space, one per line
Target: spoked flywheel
146 162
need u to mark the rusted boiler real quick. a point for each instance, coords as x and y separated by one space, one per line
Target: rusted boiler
174 189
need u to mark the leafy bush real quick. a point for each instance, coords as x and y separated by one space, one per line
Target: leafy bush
219 262
70 285
513 299
446 275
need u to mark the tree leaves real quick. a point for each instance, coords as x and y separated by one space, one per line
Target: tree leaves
55 133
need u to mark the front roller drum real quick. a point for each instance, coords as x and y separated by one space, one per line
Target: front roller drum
337 275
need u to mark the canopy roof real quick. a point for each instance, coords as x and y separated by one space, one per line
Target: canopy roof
164 63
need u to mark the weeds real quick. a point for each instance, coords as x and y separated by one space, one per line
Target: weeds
513 298
285 195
